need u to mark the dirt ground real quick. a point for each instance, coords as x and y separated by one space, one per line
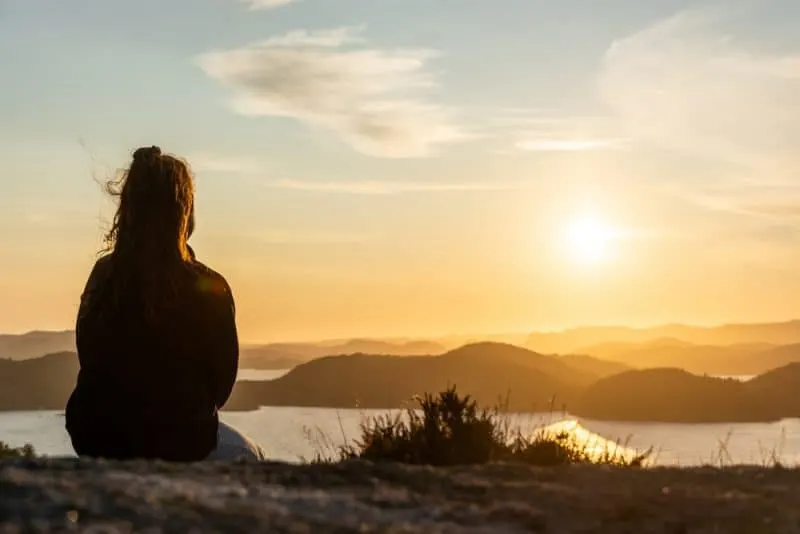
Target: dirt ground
85 496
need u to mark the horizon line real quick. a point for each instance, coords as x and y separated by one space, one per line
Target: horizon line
438 337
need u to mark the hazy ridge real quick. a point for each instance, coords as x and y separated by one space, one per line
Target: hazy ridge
722 350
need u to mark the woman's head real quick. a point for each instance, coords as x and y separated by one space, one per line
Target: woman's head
147 241
155 215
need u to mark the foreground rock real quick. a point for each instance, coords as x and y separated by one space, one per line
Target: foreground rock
80 496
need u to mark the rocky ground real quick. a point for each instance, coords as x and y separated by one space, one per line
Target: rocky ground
98 497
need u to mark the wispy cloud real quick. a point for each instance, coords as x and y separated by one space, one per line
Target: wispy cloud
685 84
694 86
374 99
331 38
549 130
268 4
374 187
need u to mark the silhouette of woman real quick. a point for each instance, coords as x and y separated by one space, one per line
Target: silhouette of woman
156 331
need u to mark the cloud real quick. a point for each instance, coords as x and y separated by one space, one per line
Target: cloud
268 4
372 98
332 38
686 85
374 187
549 130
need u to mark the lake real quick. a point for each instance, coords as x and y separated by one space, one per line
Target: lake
290 434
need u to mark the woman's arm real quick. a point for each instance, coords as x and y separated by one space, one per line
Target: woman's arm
226 345
89 298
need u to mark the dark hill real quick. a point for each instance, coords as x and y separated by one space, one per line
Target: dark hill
487 371
779 388
38 384
673 395
569 370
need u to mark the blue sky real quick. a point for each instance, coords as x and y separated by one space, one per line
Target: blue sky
393 153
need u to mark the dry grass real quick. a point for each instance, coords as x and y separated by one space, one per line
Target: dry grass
7 451
450 429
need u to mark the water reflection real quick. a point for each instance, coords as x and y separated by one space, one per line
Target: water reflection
594 445
283 431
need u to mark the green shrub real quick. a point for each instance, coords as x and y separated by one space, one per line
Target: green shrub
449 429
7 451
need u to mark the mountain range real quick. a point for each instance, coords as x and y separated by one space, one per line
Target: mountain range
738 359
725 350
35 344
576 339
494 374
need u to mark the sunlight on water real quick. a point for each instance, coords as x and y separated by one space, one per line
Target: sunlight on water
593 444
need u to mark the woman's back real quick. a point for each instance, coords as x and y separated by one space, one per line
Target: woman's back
156 333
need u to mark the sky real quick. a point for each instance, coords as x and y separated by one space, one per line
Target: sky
417 167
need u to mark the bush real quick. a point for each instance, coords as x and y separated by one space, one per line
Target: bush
451 430
7 451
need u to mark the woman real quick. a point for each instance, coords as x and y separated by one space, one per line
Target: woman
156 331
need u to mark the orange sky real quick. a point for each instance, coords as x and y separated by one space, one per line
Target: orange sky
357 179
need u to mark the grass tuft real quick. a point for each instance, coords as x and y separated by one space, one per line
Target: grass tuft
449 429
7 451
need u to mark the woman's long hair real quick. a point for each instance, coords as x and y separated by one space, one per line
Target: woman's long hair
147 242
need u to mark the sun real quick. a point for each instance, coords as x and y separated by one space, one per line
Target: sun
589 239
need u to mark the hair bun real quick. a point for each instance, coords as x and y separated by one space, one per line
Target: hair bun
149 152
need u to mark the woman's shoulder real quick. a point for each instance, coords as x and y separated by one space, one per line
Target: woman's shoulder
209 282
100 270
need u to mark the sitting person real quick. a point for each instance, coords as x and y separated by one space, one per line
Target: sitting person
156 331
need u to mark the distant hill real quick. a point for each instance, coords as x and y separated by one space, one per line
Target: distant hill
778 388
573 340
43 383
596 366
740 359
35 344
487 371
267 363
673 395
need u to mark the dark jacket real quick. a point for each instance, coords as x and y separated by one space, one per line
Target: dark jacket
149 390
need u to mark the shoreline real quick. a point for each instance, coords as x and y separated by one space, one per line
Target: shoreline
558 415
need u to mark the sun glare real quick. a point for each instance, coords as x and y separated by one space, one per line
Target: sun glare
589 239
